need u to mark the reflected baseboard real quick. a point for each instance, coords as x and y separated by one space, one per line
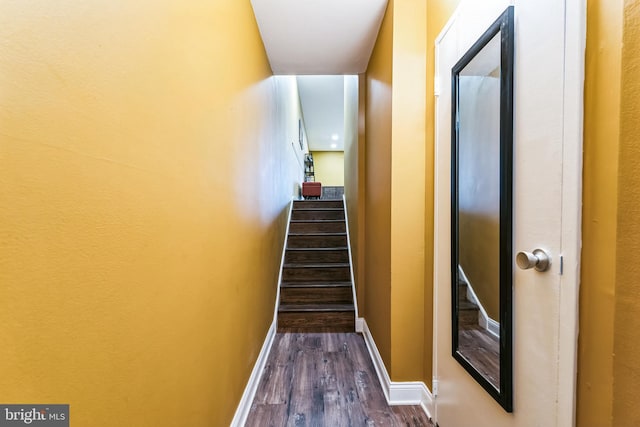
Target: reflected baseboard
486 322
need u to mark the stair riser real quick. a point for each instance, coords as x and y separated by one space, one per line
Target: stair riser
316 241
313 214
312 296
310 204
319 274
316 295
468 317
462 291
316 257
316 227
343 321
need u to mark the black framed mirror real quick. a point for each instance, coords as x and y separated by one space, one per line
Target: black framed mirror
481 209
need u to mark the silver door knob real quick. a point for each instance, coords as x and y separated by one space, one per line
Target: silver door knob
538 260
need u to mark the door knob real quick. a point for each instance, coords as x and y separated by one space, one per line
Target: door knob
538 260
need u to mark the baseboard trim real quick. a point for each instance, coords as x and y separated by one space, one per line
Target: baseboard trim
396 393
242 412
493 327
485 322
353 280
284 252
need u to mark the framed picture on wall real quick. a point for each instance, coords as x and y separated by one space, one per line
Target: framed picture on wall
300 135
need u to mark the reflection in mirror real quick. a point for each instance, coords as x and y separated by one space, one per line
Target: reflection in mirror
482 117
479 211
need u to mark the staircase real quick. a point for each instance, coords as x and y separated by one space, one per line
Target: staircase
467 310
315 292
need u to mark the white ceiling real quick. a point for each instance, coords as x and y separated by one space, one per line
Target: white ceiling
322 100
319 36
320 41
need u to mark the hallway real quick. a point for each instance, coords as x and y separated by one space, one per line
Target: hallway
149 154
325 379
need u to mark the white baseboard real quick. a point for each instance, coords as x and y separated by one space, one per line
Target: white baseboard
484 321
242 412
353 279
284 252
396 393
493 327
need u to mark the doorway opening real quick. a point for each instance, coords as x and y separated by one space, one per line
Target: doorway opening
329 108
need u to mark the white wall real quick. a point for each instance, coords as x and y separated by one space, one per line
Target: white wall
279 158
350 115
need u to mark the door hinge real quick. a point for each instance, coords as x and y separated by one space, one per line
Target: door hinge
561 265
434 386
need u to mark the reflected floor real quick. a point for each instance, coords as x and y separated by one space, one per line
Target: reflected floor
482 350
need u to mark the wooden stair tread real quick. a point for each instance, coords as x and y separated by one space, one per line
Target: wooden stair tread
315 285
321 265
284 308
314 221
319 234
319 209
324 248
318 201
467 305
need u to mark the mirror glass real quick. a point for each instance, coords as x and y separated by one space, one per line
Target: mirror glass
482 121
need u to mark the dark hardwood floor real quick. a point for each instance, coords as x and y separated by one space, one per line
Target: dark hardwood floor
325 380
482 350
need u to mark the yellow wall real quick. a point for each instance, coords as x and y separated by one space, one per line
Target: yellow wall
395 128
609 353
354 110
626 347
132 200
407 181
378 189
599 224
329 167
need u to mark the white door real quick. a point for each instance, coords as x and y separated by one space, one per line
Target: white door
549 67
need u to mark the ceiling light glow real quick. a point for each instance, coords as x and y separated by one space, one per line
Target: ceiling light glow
335 136
334 145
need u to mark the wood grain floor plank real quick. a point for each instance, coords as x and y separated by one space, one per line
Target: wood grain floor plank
269 415
410 416
349 409
274 388
325 380
482 350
